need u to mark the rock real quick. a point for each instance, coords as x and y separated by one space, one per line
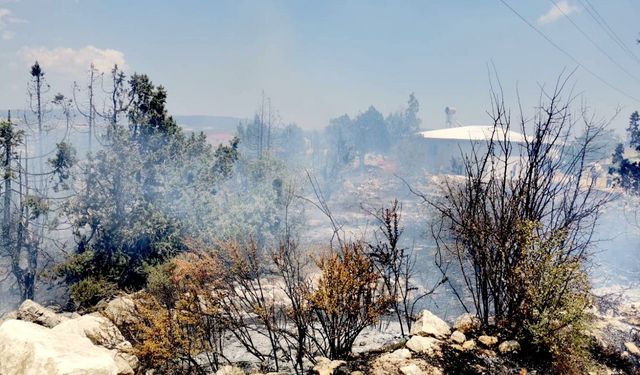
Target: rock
624 355
380 366
487 353
98 329
467 323
426 345
325 366
9 315
396 356
509 346
121 310
458 337
457 347
469 345
428 324
632 348
33 312
101 331
488 340
229 370
28 348
411 369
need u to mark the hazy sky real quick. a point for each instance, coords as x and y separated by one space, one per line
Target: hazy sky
320 59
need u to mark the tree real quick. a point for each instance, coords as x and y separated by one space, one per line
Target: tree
89 112
257 137
396 265
340 150
369 134
616 159
147 183
543 185
347 298
634 130
405 123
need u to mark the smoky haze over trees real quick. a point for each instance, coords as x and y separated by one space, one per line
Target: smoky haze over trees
284 243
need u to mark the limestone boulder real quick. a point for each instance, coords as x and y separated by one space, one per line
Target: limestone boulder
229 370
632 348
428 324
121 311
33 312
426 345
509 346
411 369
488 340
467 323
458 337
325 366
101 331
469 345
30 349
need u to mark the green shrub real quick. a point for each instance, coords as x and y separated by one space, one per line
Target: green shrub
86 293
556 292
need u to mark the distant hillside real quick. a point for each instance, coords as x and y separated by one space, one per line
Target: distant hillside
223 124
219 129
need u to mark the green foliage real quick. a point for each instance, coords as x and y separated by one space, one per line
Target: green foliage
634 130
253 204
88 292
557 295
144 193
61 164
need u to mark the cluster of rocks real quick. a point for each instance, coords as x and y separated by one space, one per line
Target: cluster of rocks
422 353
36 340
619 329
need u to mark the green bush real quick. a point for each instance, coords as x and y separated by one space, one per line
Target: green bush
86 293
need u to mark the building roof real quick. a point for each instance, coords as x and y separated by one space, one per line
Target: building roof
472 133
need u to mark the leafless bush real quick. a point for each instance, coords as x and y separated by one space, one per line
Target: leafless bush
347 299
396 265
541 182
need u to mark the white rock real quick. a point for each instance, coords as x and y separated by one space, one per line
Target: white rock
411 369
429 324
488 340
9 315
29 349
229 370
458 337
401 354
396 356
467 323
35 313
325 366
101 331
426 345
469 345
632 348
121 310
509 346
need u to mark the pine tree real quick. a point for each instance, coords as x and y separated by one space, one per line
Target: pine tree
634 130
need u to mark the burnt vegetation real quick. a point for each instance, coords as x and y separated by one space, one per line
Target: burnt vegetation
210 242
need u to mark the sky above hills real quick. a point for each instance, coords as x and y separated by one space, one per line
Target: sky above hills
318 60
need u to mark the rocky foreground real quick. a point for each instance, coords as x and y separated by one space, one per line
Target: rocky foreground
36 340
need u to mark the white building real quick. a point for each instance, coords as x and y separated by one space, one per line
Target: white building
446 147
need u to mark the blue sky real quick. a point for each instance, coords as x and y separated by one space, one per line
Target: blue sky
320 59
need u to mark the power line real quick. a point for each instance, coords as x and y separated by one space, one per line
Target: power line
593 12
578 63
594 43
